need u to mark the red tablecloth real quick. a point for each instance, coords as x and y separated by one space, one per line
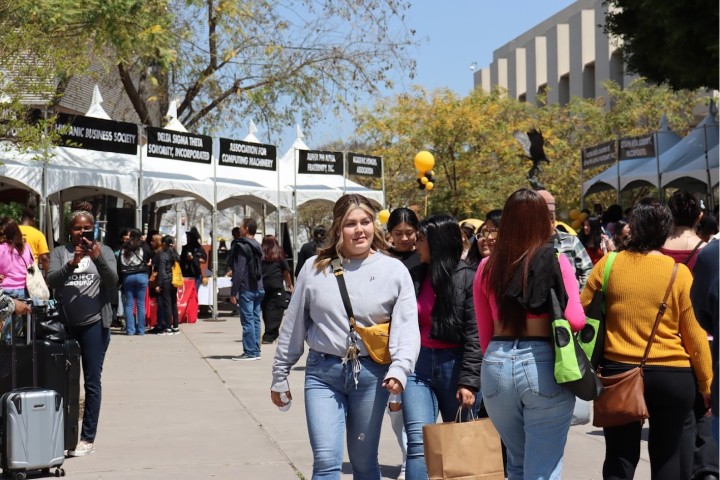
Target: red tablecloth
187 302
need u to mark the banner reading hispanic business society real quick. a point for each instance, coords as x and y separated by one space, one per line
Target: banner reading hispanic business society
174 145
98 134
366 165
236 153
315 161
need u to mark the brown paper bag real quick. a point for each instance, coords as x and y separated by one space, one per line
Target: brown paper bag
463 451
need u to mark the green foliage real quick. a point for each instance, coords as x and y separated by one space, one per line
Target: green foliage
13 210
478 162
668 42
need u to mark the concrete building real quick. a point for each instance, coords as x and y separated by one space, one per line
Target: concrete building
567 55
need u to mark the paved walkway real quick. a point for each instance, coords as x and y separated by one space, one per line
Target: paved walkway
179 408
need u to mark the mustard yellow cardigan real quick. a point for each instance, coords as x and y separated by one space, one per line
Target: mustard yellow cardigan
635 290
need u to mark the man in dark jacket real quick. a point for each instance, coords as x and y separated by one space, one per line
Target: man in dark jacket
247 288
310 248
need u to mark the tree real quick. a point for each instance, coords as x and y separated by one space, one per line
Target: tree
668 42
478 163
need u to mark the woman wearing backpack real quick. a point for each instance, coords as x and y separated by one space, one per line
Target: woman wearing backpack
134 259
167 316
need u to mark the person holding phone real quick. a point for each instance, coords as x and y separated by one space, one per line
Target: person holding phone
84 276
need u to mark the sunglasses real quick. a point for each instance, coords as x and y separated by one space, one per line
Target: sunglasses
487 233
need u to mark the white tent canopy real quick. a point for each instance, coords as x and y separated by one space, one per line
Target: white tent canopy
608 179
694 175
317 186
700 139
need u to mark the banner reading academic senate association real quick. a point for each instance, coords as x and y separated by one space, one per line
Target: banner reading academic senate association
236 153
315 161
174 145
366 165
98 134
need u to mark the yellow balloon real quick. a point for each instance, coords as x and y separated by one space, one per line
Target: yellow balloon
576 224
383 216
424 180
583 216
431 173
424 161
574 214
429 186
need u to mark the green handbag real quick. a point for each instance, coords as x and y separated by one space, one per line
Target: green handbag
592 336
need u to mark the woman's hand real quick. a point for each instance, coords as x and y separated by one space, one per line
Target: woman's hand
79 253
465 396
275 397
393 386
21 308
92 248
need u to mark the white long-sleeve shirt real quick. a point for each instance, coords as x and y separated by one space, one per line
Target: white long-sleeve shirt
380 289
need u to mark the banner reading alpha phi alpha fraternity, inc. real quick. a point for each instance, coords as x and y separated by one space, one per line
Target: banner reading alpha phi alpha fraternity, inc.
315 161
175 145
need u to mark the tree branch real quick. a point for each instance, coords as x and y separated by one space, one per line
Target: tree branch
132 93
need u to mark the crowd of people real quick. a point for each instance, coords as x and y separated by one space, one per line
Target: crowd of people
478 338
469 315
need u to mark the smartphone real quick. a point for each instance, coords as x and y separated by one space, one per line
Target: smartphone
89 235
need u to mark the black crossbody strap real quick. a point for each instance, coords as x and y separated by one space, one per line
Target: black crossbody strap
689 257
338 271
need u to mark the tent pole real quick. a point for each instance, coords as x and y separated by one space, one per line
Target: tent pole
382 180
139 201
617 164
711 199
657 163
213 247
293 238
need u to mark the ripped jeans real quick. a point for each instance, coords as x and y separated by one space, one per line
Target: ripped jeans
334 405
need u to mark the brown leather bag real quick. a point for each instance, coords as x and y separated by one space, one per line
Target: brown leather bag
623 397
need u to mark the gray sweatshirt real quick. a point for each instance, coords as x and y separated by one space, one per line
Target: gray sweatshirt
380 288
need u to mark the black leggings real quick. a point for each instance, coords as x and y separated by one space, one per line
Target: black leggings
669 394
167 313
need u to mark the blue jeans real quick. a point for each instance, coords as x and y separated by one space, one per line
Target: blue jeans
135 288
429 390
94 340
530 411
333 403
18 320
249 303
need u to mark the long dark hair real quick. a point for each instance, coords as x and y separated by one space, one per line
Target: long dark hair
444 240
272 251
525 229
133 244
685 208
594 238
12 234
402 215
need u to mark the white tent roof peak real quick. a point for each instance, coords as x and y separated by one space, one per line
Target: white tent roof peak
174 123
96 110
712 108
252 130
299 133
664 123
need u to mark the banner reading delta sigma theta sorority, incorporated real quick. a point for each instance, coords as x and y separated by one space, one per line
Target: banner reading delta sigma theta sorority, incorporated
315 161
236 153
366 165
175 145
97 134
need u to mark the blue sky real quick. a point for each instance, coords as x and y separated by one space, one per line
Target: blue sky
452 34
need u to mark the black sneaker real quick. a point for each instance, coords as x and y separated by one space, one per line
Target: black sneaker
175 330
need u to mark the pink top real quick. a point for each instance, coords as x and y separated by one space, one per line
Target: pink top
486 309
13 267
426 302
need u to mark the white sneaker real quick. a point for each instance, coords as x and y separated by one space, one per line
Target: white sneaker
83 448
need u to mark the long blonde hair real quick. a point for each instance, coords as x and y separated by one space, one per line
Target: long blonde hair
346 204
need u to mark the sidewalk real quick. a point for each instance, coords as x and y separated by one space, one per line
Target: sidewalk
179 408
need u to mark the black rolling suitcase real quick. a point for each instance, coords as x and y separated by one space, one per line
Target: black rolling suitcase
32 424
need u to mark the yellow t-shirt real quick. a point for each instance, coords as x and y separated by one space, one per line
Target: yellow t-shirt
35 239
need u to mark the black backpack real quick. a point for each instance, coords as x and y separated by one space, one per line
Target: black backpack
253 259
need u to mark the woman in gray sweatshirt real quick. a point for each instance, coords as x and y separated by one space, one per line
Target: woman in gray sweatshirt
342 392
